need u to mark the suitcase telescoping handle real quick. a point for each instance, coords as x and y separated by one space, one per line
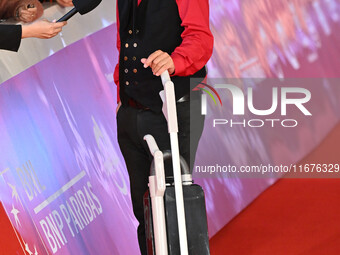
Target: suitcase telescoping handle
185 170
169 110
170 113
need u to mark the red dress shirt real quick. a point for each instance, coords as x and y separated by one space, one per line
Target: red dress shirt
197 45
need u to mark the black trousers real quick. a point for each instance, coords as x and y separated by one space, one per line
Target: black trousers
133 124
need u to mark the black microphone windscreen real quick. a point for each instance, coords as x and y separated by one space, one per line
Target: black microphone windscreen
85 6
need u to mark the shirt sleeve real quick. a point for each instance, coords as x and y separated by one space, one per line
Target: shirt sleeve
10 37
116 73
198 41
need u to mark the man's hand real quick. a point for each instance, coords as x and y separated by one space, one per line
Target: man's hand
159 62
65 3
43 29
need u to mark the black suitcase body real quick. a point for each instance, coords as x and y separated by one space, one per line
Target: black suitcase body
195 216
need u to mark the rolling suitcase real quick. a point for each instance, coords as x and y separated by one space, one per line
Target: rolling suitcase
174 211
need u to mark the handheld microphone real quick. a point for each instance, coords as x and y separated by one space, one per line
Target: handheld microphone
81 6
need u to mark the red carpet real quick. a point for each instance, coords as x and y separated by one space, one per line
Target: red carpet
9 244
294 216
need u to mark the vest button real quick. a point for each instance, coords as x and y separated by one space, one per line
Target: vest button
137 31
130 32
135 45
126 45
134 58
127 83
126 58
126 70
135 70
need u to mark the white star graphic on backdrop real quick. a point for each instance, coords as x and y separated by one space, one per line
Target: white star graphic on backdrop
14 192
28 249
15 212
35 250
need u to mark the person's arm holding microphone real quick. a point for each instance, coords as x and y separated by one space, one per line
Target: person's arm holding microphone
11 35
42 29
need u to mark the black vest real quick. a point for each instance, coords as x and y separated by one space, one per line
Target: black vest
153 25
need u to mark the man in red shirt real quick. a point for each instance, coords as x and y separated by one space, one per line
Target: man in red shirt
154 36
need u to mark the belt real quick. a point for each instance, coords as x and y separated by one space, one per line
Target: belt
133 103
